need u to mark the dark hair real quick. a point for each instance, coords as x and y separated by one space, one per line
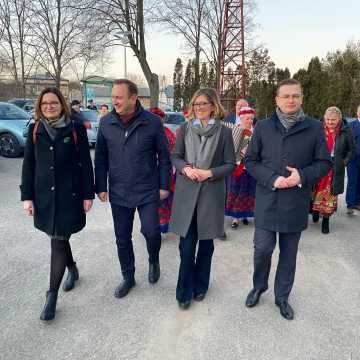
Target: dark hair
75 102
51 90
90 100
104 105
287 82
132 88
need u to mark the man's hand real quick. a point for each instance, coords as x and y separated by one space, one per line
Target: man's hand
280 183
203 175
190 173
294 178
164 194
87 205
103 196
29 207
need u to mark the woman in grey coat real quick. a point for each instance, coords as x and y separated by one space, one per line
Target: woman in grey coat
204 155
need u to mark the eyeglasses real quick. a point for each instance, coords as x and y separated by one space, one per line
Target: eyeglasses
287 97
50 104
200 104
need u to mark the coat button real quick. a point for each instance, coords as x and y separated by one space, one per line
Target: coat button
52 188
74 194
51 168
51 148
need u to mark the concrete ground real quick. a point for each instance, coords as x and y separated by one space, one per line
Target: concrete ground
92 324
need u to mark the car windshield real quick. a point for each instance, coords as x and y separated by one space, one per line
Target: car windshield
90 115
11 112
174 119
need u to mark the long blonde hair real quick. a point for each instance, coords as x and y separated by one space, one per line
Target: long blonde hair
213 98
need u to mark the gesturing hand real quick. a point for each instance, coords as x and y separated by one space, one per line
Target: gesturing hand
190 173
29 207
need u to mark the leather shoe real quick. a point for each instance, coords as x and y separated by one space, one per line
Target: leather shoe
124 288
73 275
253 297
286 310
184 305
48 312
154 272
199 297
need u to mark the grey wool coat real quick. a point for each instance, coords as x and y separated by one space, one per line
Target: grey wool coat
271 150
207 198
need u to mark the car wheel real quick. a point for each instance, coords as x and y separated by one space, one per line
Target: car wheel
9 146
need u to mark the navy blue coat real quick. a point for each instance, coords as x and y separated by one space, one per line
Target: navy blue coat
134 159
57 175
355 127
272 149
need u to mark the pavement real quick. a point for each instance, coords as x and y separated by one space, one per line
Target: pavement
91 323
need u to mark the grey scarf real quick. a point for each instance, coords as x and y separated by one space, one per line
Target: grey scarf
201 143
52 126
288 121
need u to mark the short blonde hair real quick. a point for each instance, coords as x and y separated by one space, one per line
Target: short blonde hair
334 110
213 98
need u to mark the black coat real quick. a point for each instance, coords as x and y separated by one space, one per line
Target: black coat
135 158
272 149
343 153
58 176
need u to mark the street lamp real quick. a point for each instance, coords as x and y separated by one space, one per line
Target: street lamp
123 37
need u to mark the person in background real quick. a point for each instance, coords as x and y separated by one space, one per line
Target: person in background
57 186
240 199
104 109
165 206
234 116
203 157
76 114
132 160
353 170
91 105
341 146
287 155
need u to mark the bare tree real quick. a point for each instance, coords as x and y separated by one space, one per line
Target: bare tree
125 20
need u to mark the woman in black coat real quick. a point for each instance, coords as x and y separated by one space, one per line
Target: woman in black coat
57 185
341 146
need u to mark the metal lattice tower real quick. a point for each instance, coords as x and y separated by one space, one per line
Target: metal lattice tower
232 64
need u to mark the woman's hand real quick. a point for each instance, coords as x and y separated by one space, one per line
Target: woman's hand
190 173
87 205
29 207
202 175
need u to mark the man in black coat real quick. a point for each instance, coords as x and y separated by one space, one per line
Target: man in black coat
132 154
287 155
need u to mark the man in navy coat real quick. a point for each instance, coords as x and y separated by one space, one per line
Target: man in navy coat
132 156
353 170
287 155
234 116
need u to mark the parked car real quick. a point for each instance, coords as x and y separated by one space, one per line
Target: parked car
173 120
26 104
91 124
13 129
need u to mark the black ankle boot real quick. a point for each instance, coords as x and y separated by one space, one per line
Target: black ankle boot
49 309
325 225
73 275
315 216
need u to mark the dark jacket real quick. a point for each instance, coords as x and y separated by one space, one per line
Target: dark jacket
343 153
271 149
77 117
355 127
230 117
207 198
135 158
58 175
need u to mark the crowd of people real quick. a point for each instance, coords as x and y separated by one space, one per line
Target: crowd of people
275 171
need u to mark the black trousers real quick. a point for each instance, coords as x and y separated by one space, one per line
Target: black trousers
264 244
194 274
123 225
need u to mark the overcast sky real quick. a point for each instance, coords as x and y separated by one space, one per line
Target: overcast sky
292 31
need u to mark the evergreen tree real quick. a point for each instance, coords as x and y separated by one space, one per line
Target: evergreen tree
203 75
211 80
188 85
178 85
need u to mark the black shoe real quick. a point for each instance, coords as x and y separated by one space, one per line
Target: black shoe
184 305
245 221
49 309
253 297
235 224
315 216
124 288
154 272
286 310
325 225
73 275
199 297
